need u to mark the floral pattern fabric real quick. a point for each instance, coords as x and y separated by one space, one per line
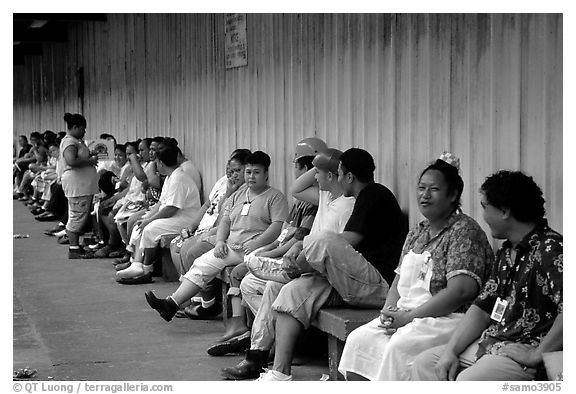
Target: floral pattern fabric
532 286
460 248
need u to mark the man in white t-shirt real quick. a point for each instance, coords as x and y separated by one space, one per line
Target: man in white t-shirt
334 210
178 204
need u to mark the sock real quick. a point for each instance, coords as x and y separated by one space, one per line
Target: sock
172 298
135 269
196 299
209 303
279 375
148 268
74 247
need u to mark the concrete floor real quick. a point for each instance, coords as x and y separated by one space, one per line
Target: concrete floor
72 321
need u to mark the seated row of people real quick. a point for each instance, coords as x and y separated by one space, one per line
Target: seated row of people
344 243
445 263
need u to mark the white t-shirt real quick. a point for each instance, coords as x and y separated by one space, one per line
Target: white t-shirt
180 191
126 172
215 197
135 192
189 168
332 215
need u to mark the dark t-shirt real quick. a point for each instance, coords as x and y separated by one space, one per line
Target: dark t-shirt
24 150
378 218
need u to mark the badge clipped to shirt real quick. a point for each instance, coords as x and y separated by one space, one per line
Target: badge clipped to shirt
424 269
245 209
283 235
499 309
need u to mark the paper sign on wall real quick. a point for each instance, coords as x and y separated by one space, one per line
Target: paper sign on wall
103 148
235 47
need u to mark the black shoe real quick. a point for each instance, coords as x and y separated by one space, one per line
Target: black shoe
167 308
46 217
249 368
125 259
79 253
54 230
235 345
118 253
37 211
102 252
138 280
198 312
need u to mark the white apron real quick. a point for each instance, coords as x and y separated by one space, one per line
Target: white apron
373 354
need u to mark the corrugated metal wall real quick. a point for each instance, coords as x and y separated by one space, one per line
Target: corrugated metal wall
405 87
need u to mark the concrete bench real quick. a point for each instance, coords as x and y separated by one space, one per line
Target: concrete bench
338 323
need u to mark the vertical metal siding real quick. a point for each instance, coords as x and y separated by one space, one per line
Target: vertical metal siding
405 87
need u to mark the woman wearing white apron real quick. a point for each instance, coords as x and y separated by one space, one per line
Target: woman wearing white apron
445 260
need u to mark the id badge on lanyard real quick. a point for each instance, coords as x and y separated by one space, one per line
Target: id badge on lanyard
499 308
245 209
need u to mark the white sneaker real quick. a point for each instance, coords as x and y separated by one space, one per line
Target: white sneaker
274 376
134 270
60 233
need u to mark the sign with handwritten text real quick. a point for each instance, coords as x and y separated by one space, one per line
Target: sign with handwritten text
235 47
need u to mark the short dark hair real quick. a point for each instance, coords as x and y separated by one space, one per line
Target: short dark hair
74 120
451 176
240 155
120 147
169 155
171 140
305 161
260 158
517 192
36 135
133 144
24 137
147 141
48 136
106 183
104 136
360 163
158 139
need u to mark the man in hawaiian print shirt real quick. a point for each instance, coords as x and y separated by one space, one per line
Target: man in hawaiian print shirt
518 315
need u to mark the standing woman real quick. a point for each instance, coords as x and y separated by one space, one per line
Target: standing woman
79 180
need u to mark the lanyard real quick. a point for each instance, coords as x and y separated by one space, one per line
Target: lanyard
248 201
508 280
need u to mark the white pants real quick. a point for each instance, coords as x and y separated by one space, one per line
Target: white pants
208 266
252 289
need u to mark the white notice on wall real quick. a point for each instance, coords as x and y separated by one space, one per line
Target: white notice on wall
236 49
103 148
